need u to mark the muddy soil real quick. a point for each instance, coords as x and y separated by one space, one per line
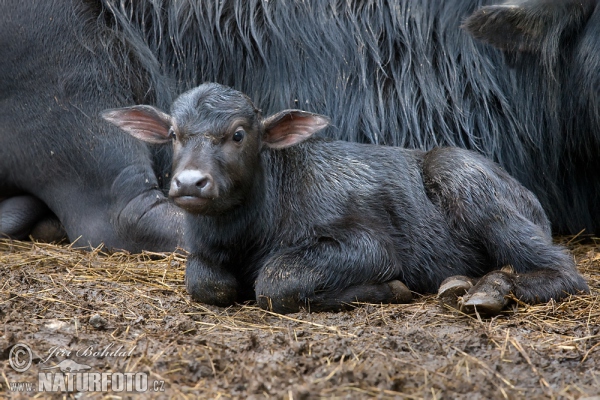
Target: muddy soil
129 318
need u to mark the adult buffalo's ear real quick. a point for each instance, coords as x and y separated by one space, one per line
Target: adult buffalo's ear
146 123
290 127
529 25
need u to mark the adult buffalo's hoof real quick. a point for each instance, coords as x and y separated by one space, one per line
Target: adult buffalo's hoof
400 293
19 214
489 296
453 288
49 230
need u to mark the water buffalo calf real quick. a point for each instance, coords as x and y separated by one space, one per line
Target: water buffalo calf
317 224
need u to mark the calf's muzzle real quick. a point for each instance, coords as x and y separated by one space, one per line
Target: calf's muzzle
190 188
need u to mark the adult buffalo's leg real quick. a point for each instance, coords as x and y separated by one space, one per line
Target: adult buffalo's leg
49 230
25 215
330 275
122 212
150 222
144 218
125 211
60 66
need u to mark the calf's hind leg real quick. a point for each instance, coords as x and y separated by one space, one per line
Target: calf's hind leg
536 269
492 210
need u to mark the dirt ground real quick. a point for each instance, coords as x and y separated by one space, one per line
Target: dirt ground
125 315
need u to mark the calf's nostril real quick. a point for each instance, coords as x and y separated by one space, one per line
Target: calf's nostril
202 183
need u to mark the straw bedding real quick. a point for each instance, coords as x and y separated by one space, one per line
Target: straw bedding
56 297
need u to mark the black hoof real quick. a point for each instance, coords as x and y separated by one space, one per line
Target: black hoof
400 293
214 294
49 230
210 285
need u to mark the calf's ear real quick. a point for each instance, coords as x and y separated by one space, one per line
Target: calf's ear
529 25
289 127
146 123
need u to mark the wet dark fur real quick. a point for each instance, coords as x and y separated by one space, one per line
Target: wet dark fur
327 223
399 72
406 73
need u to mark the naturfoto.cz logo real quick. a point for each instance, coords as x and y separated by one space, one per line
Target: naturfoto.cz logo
71 376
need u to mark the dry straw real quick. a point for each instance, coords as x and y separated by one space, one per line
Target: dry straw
49 293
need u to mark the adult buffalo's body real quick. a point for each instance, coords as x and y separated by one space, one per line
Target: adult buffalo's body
60 64
318 224
400 72
405 73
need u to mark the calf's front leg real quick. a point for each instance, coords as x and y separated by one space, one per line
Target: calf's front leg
329 275
210 283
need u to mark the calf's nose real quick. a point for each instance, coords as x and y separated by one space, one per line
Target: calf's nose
192 178
192 183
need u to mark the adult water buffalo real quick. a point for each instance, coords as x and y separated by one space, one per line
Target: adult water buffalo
398 72
406 73
60 63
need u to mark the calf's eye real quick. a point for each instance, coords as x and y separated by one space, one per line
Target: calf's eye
238 136
172 134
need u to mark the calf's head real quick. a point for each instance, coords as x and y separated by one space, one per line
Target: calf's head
217 135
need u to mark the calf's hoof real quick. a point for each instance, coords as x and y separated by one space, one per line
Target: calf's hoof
452 289
210 286
489 295
400 293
